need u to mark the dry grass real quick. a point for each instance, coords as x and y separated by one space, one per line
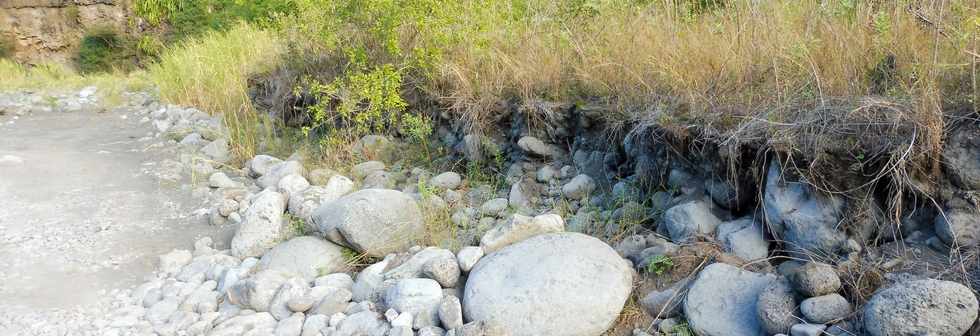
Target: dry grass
54 77
212 73
750 72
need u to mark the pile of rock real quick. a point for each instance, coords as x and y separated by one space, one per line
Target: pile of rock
275 280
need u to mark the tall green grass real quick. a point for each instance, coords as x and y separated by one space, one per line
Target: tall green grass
212 73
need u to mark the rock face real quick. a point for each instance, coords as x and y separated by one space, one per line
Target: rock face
921 307
962 158
723 300
805 219
372 221
51 30
533 290
304 256
262 226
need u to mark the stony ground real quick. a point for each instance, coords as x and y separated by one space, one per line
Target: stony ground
101 206
83 211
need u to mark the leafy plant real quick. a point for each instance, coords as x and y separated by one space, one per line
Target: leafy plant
101 49
660 264
681 329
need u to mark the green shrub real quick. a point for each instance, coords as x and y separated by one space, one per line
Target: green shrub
660 264
102 49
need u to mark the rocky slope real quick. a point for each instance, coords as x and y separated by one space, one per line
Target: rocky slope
573 243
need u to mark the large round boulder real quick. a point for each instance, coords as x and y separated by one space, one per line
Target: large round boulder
305 256
723 300
921 307
566 284
372 221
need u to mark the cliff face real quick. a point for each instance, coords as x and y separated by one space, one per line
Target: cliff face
50 30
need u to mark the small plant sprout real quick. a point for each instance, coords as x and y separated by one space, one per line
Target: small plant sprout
660 265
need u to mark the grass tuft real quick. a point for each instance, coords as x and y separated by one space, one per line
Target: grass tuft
212 73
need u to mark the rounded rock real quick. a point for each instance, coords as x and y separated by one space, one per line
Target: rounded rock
823 309
921 307
305 256
372 221
505 287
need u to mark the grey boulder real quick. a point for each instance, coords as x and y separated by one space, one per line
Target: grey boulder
508 288
921 307
262 226
685 221
305 256
372 221
804 218
723 301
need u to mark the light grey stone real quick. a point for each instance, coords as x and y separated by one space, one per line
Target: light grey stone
217 150
494 207
313 324
364 169
365 323
420 297
518 228
451 312
260 289
579 187
815 279
535 147
336 280
776 307
804 218
743 238
262 226
685 221
261 165
368 284
303 204
220 180
292 184
961 157
723 301
505 287
256 324
292 288
331 300
305 256
278 171
290 326
826 308
372 221
447 180
921 307
807 329
959 224
484 328
467 257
